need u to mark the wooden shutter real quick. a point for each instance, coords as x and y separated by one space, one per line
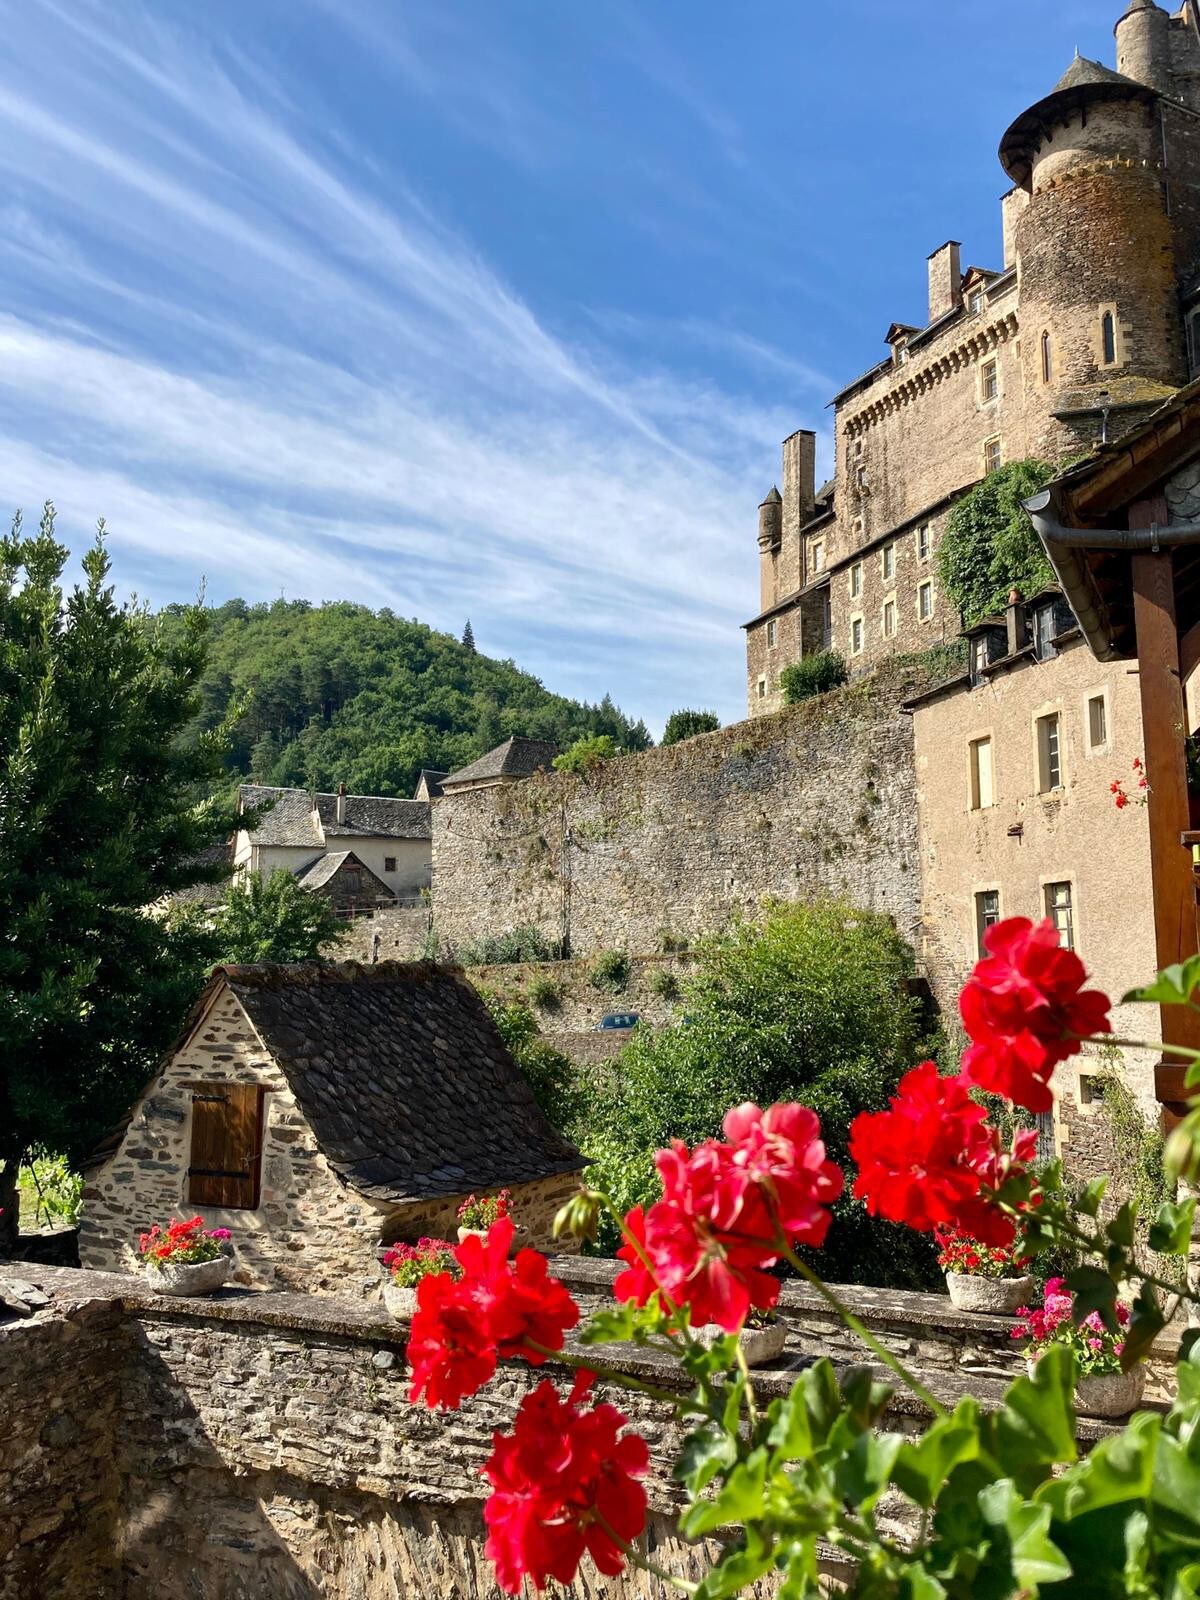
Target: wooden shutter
226 1145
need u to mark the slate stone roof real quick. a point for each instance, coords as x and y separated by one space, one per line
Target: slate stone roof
515 758
1083 82
290 821
402 1076
429 784
322 873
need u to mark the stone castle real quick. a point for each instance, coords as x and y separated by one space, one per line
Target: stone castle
1092 320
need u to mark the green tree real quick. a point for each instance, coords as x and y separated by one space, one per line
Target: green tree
812 675
687 724
989 545
101 815
587 755
557 1087
468 637
273 919
811 1005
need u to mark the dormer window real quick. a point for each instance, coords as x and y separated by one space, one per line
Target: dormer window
901 354
975 303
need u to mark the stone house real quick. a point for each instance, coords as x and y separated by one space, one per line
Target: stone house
1091 320
318 1111
511 762
390 838
347 883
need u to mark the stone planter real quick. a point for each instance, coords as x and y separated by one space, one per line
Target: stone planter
1110 1394
401 1302
1000 1296
197 1277
759 1345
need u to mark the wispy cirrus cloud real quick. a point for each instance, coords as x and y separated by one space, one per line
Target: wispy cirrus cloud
270 357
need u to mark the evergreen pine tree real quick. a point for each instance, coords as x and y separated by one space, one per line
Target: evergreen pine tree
468 637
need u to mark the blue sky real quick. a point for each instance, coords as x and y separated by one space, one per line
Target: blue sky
487 308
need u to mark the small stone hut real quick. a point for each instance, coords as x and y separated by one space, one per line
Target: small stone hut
318 1111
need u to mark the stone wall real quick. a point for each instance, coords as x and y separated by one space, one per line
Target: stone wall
674 843
399 930
580 1004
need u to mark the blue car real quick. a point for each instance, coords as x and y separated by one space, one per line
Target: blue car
618 1022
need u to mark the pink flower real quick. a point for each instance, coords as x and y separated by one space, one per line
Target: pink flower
782 1150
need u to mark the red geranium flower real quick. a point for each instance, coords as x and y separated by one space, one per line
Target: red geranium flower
561 1481
1026 1009
497 1309
637 1282
926 1160
783 1152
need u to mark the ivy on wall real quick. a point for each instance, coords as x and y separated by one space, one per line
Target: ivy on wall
989 545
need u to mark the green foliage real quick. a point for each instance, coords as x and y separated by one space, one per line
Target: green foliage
557 1087
989 544
610 971
468 637
587 755
339 693
50 1193
504 949
545 992
102 813
687 724
664 983
812 675
273 919
813 1006
1138 1148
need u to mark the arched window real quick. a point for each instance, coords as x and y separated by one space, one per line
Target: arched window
1047 359
1108 334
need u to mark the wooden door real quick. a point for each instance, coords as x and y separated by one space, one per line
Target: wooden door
226 1150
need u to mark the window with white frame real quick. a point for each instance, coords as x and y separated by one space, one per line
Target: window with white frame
925 601
1061 912
1049 752
991 455
856 636
975 303
889 619
762 688
983 789
772 634
887 562
818 555
989 380
923 542
856 580
987 915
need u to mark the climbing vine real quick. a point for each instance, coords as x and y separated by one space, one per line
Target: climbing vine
989 544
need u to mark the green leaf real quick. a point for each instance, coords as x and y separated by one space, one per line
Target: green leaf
923 1465
740 1499
1174 986
1036 1559
1175 1495
733 1404
1171 1230
738 1568
1119 1470
866 1469
1093 1290
618 1324
917 1584
1145 1325
1189 1345
1035 1428
1091 1196
802 1575
1122 1228
865 1400
790 1434
706 1451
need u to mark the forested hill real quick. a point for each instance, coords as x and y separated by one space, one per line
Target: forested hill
338 693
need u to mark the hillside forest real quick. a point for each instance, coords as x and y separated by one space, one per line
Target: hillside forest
325 694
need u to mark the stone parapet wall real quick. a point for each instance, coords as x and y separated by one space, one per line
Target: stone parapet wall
581 1004
399 930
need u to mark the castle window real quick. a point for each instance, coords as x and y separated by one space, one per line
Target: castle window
990 378
1097 722
982 787
975 303
856 636
887 562
818 555
772 634
923 542
925 601
1047 359
1108 335
1061 913
987 914
1091 1089
226 1145
1049 749
991 455
856 580
889 619
389 863
762 688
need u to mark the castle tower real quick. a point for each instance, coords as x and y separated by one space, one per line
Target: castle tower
1101 330
1143 45
770 538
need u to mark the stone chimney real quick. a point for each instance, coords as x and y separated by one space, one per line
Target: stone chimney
341 804
945 280
799 478
1017 622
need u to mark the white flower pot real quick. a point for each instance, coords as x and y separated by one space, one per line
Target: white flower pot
471 1233
195 1277
759 1345
1110 1394
1000 1296
401 1302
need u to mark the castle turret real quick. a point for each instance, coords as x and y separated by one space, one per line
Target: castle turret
1143 45
770 538
1101 330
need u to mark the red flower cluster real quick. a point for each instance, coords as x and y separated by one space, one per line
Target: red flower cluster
497 1309
1025 1009
926 1160
565 1481
1117 787
476 1213
958 1252
726 1211
182 1242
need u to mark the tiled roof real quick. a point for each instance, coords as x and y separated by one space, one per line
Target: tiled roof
430 782
322 873
515 758
400 1072
290 820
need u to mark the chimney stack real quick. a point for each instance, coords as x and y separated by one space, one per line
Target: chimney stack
1017 622
945 280
341 804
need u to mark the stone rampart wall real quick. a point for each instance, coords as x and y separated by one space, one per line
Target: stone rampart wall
395 933
674 843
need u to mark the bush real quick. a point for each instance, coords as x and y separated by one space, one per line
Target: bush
610 971
687 724
812 675
518 944
545 993
812 1005
557 1086
664 983
587 755
989 544
50 1193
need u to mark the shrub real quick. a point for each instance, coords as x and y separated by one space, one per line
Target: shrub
687 724
812 675
518 944
812 1005
587 755
556 1083
989 543
49 1191
664 983
610 971
545 993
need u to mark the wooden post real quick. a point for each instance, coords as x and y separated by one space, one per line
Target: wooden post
1164 729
